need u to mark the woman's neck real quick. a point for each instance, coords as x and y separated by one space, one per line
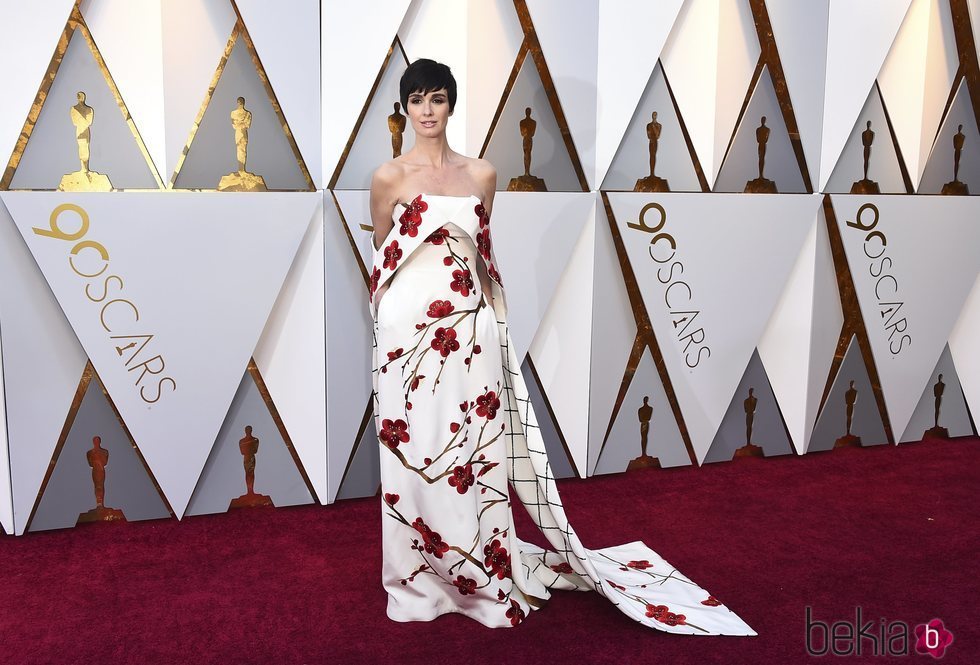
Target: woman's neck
432 151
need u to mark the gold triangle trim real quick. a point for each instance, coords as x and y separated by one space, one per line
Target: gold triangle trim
83 385
239 30
75 21
395 43
531 46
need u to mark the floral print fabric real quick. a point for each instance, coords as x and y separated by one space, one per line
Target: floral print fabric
455 426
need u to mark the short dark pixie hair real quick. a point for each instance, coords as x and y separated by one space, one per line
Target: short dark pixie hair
426 75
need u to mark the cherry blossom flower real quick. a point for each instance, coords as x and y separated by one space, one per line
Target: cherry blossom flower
444 341
433 542
487 405
462 478
393 432
411 219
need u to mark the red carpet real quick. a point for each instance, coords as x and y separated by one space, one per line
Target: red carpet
892 530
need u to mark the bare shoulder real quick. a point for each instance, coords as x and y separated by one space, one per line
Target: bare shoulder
387 175
484 173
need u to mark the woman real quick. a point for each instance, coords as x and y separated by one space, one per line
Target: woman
453 417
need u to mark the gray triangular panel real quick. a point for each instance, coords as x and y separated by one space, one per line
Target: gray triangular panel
70 490
212 153
664 439
364 475
372 145
954 414
276 473
939 168
52 150
866 420
632 160
884 166
767 429
549 157
742 162
561 466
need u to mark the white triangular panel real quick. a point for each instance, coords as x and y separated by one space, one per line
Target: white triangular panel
940 169
6 497
561 347
926 262
802 335
186 263
287 40
708 327
633 33
195 34
129 34
436 29
613 333
348 346
859 37
800 31
39 386
916 79
785 345
570 49
964 345
533 239
738 55
355 204
941 404
690 61
28 38
291 356
366 28
494 36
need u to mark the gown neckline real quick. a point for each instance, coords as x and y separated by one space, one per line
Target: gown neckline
394 209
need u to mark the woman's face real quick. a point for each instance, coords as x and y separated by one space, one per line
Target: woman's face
429 112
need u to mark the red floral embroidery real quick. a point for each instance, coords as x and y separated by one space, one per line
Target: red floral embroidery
393 432
483 243
712 601
440 308
375 276
497 560
515 613
444 341
438 236
562 567
462 282
397 353
411 219
494 275
465 585
392 254
487 405
391 499
481 212
642 564
433 542
415 383
662 614
462 478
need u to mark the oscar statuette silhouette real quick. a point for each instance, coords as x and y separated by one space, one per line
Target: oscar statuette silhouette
644 461
850 399
749 449
652 183
84 180
98 459
249 447
761 185
241 180
937 431
527 182
955 187
866 185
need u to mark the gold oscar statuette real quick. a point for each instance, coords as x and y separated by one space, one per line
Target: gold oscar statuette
644 461
850 399
865 185
652 183
761 185
527 182
396 125
84 179
749 449
937 431
98 459
249 447
955 187
241 180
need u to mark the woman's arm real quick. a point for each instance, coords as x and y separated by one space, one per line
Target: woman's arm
384 196
486 177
